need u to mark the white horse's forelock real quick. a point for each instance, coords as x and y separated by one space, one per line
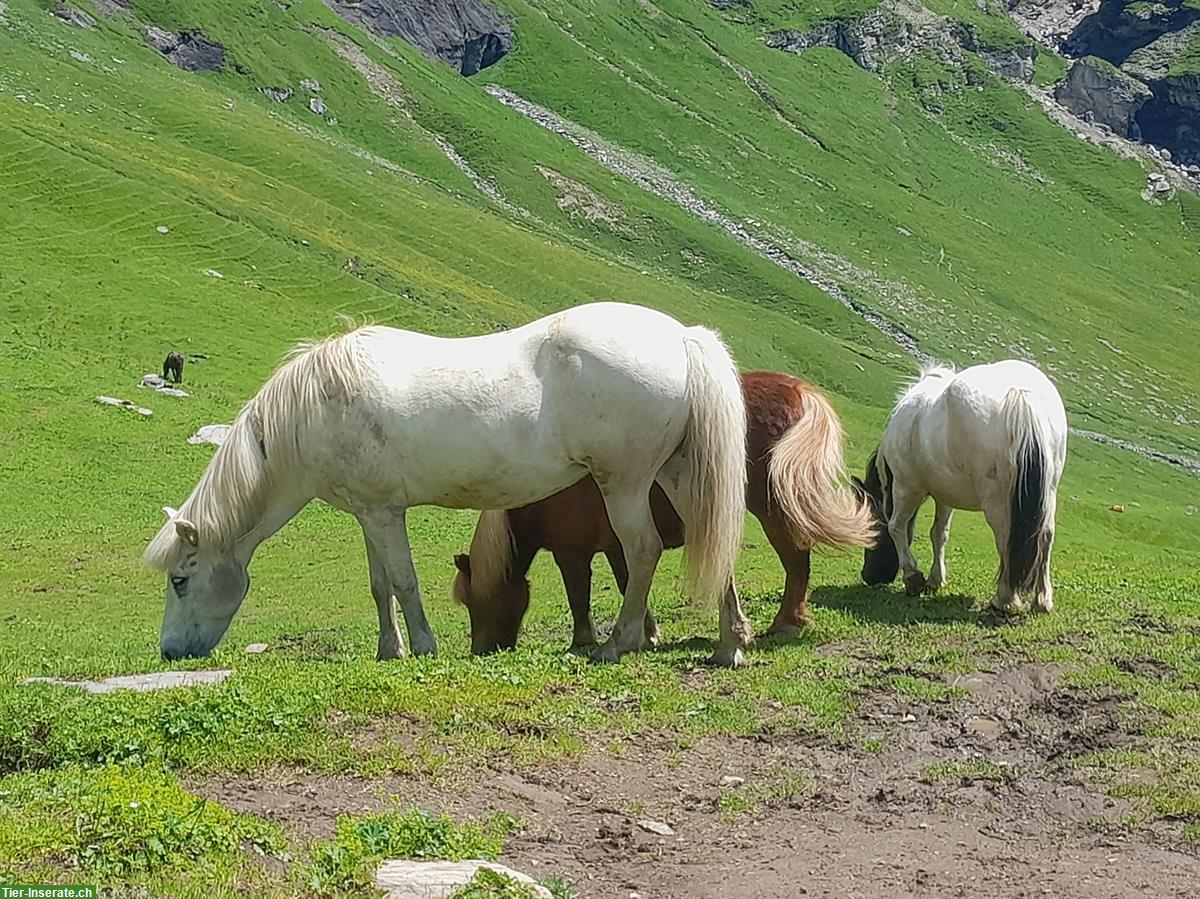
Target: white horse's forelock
265 440
491 552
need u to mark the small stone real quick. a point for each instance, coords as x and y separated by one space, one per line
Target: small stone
908 719
163 229
311 85
1116 509
656 827
256 648
123 404
730 780
80 57
1161 187
213 273
278 94
316 106
214 434
1157 176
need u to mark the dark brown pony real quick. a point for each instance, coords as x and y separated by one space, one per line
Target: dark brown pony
173 365
793 467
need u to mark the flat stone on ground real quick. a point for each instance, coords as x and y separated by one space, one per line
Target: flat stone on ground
159 680
403 879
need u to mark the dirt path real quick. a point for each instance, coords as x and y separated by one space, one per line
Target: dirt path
977 798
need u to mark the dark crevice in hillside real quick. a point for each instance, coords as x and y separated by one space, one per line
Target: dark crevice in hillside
1116 29
468 35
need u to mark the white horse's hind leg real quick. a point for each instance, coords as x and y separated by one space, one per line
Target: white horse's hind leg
391 644
904 508
939 534
629 515
1043 597
386 530
996 511
736 632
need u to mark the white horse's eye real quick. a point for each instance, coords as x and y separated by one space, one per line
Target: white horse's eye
178 583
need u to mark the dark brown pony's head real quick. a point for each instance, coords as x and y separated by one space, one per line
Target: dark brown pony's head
881 564
496 612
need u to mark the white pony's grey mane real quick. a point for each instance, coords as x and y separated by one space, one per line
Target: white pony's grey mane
265 440
491 551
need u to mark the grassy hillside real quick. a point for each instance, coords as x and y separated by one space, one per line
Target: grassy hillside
941 198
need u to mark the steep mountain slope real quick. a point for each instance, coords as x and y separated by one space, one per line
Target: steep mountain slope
224 177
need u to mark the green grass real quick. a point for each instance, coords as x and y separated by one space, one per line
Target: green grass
974 222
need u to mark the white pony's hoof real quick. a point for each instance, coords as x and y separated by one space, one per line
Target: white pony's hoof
726 658
425 647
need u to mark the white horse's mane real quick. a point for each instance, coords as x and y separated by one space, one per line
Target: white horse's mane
929 371
491 552
263 443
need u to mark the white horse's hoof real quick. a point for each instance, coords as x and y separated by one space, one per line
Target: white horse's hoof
1011 604
425 647
728 658
914 583
934 583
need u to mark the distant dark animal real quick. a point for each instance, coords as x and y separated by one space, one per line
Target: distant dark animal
173 364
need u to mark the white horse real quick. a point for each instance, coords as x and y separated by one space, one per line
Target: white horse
992 437
378 420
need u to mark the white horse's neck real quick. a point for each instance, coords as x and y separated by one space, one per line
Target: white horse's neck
276 513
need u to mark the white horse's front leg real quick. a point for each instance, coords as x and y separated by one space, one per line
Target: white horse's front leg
389 535
900 527
939 534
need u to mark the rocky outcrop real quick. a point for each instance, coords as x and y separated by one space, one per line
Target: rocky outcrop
189 50
1119 27
1096 90
76 18
466 34
898 31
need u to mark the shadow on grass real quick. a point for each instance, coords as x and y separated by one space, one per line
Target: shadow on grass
889 605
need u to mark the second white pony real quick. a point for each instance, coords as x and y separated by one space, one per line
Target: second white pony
991 438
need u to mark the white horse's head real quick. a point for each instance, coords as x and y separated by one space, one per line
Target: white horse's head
205 588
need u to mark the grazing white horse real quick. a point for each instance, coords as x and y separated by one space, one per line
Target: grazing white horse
992 437
379 420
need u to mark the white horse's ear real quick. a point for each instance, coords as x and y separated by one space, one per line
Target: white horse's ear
171 514
187 531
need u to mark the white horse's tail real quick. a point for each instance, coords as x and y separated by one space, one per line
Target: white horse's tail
716 449
1031 518
806 475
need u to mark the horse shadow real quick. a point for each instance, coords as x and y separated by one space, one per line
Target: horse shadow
888 605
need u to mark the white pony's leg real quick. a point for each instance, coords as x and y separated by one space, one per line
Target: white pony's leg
939 534
387 531
904 507
996 510
1043 599
391 644
629 515
736 632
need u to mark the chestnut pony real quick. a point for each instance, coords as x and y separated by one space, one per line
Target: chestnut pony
793 466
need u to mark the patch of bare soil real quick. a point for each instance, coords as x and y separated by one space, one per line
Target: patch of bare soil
974 798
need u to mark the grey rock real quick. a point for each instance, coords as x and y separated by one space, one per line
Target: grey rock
403 879
316 106
163 229
731 780
80 57
278 94
110 7
190 50
467 34
142 683
729 4
308 84
159 385
212 273
123 404
1119 27
656 827
254 649
74 17
1094 86
214 434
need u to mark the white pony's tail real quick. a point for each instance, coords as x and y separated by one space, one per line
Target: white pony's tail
806 475
716 449
1031 518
